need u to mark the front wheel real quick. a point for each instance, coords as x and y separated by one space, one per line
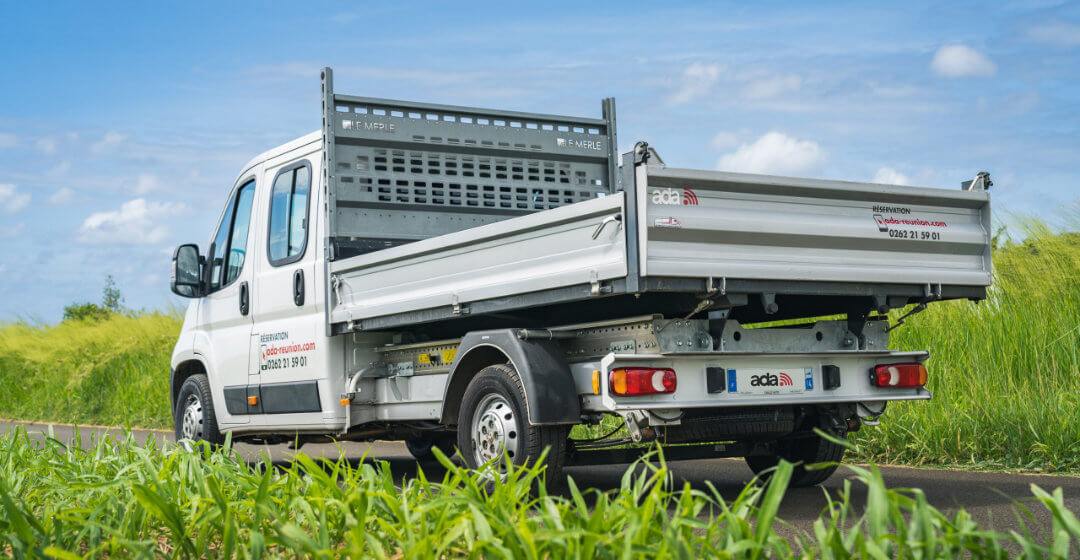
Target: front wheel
493 421
803 450
194 418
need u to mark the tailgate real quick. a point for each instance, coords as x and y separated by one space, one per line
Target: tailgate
739 226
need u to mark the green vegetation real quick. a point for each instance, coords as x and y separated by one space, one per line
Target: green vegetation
121 499
112 370
1004 372
111 302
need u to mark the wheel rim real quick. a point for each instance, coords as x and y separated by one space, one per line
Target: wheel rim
191 424
494 429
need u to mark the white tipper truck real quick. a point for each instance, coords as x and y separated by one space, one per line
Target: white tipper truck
484 280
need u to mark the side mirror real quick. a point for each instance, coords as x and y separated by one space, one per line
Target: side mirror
186 274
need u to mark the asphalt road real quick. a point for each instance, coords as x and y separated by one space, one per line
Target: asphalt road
991 498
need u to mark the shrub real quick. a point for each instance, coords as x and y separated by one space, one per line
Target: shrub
85 312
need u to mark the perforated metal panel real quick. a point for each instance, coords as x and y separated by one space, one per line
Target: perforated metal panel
401 171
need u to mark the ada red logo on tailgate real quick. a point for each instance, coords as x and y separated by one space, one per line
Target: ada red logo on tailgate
675 197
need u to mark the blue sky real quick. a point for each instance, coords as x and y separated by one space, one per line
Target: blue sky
121 127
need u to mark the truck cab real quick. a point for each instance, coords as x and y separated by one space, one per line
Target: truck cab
258 315
481 281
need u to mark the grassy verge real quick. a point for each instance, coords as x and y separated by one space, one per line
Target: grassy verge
122 499
112 372
1004 372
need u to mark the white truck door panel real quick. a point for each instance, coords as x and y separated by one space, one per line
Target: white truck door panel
289 324
225 313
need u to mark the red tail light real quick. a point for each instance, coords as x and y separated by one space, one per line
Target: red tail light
900 376
634 381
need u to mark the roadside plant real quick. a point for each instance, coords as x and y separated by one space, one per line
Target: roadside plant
119 498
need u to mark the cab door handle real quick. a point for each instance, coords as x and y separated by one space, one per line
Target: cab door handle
298 287
244 298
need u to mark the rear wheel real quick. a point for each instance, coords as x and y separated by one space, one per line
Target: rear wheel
493 421
194 417
802 449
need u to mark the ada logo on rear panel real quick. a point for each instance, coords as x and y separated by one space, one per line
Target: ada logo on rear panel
675 197
771 380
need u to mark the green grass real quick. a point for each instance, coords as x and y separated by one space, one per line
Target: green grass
1005 372
110 372
121 499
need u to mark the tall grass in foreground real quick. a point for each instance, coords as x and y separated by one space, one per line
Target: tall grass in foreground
113 371
1005 372
121 499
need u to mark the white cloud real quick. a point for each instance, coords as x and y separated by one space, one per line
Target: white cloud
11 200
700 80
8 140
136 222
46 145
59 169
9 231
772 86
724 140
774 153
108 141
890 176
146 183
1057 33
697 81
62 196
958 61
892 90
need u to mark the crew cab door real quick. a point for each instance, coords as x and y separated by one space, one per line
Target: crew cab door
289 323
225 313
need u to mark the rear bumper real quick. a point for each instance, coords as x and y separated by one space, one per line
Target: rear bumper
692 389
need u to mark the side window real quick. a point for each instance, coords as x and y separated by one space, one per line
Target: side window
218 245
230 241
239 241
289 215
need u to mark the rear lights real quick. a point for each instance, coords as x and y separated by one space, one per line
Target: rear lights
900 376
635 381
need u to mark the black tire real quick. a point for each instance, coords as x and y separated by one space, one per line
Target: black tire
421 447
528 443
195 393
803 450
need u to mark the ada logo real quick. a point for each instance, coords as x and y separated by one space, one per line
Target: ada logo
675 197
771 380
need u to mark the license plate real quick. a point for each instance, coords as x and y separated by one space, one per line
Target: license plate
766 381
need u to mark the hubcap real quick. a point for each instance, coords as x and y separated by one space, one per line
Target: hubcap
494 429
191 424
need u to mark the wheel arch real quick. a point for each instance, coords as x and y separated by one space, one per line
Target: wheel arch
550 394
181 373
